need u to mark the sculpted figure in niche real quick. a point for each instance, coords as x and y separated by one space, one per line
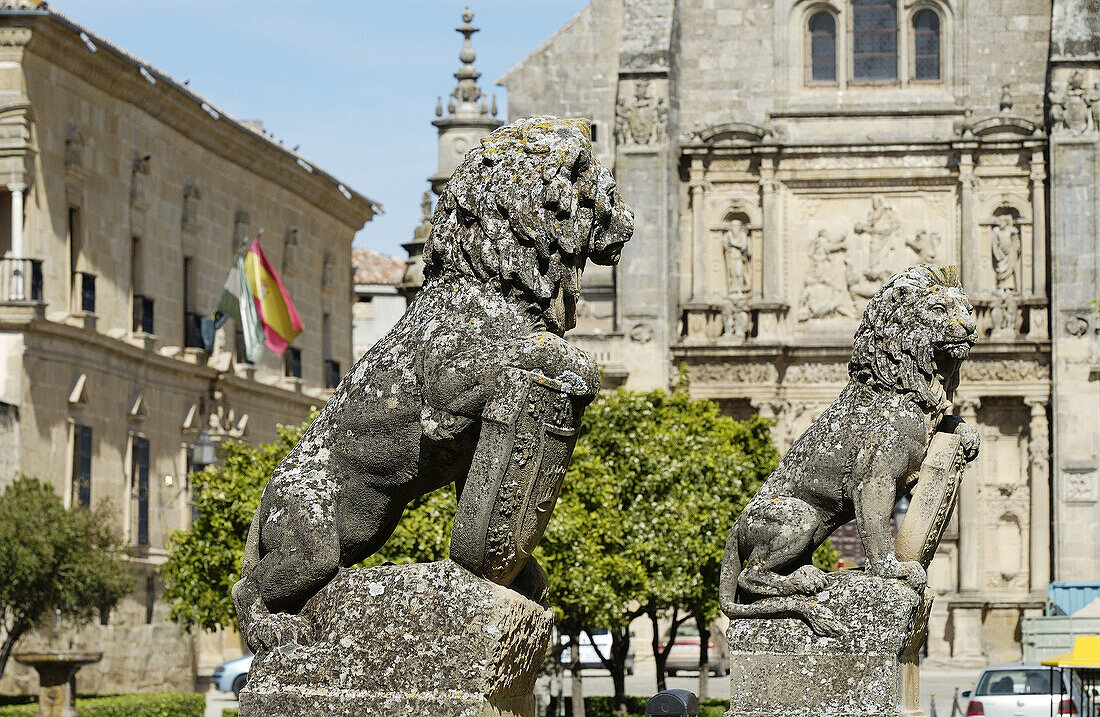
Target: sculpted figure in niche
474 385
859 456
822 294
1006 252
880 227
737 249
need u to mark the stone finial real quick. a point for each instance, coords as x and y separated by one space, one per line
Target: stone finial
466 97
1006 99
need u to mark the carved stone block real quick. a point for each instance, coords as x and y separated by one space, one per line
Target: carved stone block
425 639
782 668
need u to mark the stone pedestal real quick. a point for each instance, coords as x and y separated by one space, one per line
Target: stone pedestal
781 668
425 639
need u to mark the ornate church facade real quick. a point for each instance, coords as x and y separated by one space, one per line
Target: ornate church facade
784 158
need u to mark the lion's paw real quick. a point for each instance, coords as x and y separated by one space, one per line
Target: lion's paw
808 580
910 572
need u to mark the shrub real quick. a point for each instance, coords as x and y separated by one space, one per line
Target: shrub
229 713
149 705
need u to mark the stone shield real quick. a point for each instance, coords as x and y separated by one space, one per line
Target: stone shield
527 436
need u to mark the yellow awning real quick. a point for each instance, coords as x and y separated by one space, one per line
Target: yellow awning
1086 653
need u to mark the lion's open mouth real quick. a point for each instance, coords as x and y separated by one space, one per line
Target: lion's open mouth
957 350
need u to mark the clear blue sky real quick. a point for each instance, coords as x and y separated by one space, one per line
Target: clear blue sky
354 82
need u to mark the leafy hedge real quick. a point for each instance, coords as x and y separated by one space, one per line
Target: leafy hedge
150 705
229 713
635 707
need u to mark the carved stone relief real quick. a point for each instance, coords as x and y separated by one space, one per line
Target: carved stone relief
823 292
1004 316
1079 483
223 420
736 322
641 114
850 249
751 373
816 373
1073 106
1005 370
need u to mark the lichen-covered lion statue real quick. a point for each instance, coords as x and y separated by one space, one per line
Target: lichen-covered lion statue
860 456
474 385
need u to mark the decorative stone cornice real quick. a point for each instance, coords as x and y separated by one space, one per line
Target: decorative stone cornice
61 42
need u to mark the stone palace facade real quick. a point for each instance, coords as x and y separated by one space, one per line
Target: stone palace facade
785 157
124 197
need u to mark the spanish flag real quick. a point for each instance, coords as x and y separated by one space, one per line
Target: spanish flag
276 310
255 297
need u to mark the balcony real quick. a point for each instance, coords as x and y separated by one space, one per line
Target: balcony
20 280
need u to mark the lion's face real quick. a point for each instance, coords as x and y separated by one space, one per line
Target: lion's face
916 332
525 211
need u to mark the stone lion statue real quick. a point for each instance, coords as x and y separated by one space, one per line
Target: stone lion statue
860 456
474 385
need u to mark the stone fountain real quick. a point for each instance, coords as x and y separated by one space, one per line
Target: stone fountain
56 678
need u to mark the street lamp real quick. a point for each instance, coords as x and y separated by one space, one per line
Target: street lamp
203 452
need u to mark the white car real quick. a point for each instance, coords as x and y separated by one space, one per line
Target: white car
600 638
1027 691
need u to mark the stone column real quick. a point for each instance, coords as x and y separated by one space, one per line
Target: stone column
18 251
969 512
698 229
1038 177
769 228
1038 449
968 255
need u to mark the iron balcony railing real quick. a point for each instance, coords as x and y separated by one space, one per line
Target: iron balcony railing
20 279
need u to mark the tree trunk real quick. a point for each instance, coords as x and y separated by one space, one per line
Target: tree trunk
575 674
620 647
9 642
704 657
659 656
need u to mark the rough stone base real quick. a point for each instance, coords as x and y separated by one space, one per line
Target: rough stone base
781 668
426 639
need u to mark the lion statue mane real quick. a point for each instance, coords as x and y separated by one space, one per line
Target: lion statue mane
473 373
860 455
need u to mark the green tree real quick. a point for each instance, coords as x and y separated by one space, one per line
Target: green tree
205 561
54 561
655 484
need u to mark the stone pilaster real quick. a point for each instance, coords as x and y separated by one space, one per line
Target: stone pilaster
1038 449
969 511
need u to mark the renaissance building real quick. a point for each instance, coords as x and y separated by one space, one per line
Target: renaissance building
784 158
124 198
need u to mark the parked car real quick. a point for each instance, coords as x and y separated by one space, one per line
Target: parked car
231 676
600 638
1020 690
684 654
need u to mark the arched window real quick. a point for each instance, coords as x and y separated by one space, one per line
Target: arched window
823 48
926 45
874 41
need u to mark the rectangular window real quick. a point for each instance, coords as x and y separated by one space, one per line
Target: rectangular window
332 373
292 362
82 464
240 355
875 41
140 474
192 322
823 48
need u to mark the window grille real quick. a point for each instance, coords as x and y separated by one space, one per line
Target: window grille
874 41
926 45
823 48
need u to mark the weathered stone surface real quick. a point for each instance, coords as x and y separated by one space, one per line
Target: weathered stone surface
780 667
474 385
425 639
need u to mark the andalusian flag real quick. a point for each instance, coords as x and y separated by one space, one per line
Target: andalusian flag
255 297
